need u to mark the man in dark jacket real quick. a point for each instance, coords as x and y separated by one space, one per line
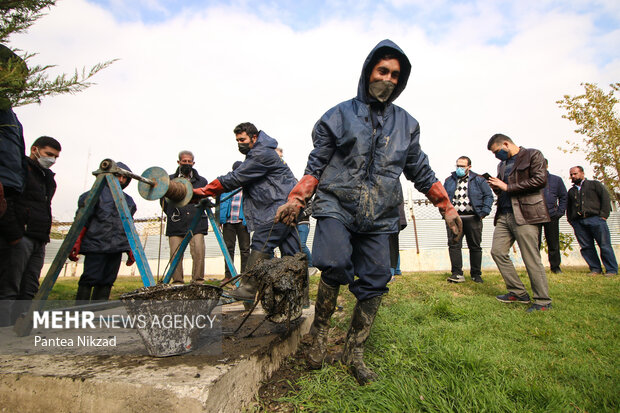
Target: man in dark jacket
556 199
521 208
361 147
13 163
34 213
473 199
102 242
180 218
589 206
266 181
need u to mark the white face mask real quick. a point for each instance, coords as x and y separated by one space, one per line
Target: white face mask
45 161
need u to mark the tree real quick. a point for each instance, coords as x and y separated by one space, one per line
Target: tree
19 84
597 119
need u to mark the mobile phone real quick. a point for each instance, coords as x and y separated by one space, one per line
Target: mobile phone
486 176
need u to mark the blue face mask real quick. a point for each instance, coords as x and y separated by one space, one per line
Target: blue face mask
461 172
502 155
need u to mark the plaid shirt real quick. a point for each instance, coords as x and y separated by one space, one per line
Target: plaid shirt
235 209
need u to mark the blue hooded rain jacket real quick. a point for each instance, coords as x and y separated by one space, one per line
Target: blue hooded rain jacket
265 179
361 147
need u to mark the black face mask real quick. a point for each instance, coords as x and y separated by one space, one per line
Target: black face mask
244 148
185 169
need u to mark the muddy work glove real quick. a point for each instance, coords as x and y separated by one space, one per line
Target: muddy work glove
297 199
213 189
73 255
439 197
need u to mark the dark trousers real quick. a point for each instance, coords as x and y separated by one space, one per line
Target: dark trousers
267 237
231 234
100 269
552 235
472 232
19 280
588 230
341 255
394 247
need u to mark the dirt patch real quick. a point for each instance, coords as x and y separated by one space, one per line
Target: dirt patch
284 380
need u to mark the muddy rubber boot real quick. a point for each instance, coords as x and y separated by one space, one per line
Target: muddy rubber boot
247 290
353 353
83 293
101 293
323 310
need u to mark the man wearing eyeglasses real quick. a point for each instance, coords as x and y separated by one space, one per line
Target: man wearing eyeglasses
521 208
473 199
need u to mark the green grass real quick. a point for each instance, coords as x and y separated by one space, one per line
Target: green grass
440 347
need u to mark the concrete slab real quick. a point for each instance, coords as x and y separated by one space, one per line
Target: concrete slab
195 382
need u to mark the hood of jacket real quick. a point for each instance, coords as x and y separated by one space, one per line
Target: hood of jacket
264 141
383 47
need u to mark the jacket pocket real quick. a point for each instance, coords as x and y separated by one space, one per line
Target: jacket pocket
533 207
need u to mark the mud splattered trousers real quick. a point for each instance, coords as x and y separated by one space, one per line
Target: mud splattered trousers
361 261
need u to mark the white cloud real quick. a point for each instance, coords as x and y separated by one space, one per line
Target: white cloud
186 82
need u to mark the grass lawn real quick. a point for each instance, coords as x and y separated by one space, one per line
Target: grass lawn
441 347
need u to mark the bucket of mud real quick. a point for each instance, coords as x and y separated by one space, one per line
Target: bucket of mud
170 318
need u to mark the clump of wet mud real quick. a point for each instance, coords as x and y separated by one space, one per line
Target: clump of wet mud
174 292
282 284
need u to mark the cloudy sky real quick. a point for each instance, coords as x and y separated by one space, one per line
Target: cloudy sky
190 70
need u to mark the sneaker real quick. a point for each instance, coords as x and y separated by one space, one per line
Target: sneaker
538 307
556 270
610 274
594 273
455 278
513 298
477 279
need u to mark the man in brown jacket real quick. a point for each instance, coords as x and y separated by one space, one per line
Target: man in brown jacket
521 208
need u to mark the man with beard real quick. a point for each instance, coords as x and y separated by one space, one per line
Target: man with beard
588 209
266 181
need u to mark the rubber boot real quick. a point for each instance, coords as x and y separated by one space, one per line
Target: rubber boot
247 290
323 310
353 353
83 293
101 292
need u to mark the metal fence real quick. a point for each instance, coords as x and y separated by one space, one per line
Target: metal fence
431 232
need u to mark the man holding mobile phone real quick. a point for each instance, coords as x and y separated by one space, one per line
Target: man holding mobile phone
521 208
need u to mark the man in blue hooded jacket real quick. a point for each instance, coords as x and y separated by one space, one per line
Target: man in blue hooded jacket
102 241
266 181
361 147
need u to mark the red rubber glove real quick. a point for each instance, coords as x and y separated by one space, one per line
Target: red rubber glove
439 197
130 259
73 255
297 199
213 189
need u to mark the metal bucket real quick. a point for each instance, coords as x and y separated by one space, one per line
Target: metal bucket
157 306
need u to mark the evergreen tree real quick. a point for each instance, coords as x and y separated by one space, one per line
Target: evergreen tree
20 84
597 119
